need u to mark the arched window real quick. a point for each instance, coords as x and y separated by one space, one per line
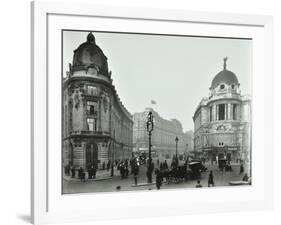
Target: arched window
221 111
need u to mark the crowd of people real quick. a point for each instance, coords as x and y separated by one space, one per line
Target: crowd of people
131 166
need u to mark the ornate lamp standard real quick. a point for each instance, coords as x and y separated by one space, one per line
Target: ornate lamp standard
176 140
149 128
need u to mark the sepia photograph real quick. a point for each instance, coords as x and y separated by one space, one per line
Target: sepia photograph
151 112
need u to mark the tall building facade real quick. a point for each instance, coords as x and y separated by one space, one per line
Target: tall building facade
163 135
96 125
222 121
189 142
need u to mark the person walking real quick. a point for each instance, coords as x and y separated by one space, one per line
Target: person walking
159 179
150 169
198 185
246 177
81 174
108 165
136 173
211 179
241 168
72 172
94 170
165 165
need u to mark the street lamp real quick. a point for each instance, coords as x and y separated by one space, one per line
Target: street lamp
149 128
176 140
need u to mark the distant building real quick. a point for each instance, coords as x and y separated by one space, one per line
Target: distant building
222 121
163 136
188 139
96 125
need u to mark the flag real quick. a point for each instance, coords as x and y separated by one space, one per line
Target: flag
152 102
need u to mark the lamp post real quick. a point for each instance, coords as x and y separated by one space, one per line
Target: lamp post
149 128
176 140
186 152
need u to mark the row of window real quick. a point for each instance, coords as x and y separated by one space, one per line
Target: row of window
222 110
91 108
92 90
222 86
92 124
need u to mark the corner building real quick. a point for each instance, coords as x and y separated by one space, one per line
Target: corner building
222 121
96 125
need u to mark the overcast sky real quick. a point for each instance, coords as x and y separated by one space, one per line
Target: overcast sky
174 71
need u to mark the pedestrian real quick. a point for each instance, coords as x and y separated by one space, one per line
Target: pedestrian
135 173
103 165
80 171
67 170
83 176
211 179
198 185
159 179
241 168
72 172
122 170
150 169
108 165
90 173
94 171
118 188
246 177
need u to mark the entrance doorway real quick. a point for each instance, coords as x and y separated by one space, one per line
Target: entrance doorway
91 154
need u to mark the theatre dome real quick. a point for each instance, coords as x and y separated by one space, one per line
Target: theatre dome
89 55
224 77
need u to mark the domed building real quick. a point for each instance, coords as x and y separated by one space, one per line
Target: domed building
222 121
96 125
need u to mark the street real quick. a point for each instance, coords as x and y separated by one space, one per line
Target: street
110 184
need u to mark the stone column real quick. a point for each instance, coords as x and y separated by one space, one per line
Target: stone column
225 111
214 113
229 111
217 111
99 116
238 112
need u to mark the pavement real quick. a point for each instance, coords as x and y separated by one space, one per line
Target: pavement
100 175
105 183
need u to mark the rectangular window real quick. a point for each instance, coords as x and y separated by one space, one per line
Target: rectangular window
92 90
234 111
221 111
91 108
91 123
211 113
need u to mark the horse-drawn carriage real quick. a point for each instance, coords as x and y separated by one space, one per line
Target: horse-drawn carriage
184 172
224 165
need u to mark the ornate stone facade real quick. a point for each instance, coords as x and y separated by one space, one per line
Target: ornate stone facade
96 125
222 121
163 135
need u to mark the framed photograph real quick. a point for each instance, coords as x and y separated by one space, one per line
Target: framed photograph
149 112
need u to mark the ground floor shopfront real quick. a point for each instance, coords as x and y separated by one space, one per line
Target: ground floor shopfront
229 153
93 150
214 154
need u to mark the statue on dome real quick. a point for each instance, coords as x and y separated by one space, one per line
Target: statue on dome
224 62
